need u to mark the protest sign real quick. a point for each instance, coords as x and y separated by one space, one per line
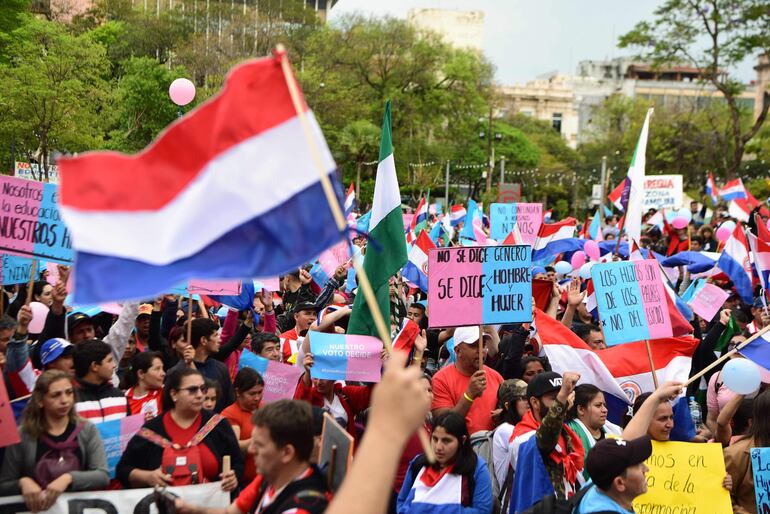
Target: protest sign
9 434
333 257
345 357
336 451
215 287
115 436
269 283
479 285
280 379
527 216
33 172
662 192
509 193
684 477
760 467
16 270
136 501
631 300
705 299
30 222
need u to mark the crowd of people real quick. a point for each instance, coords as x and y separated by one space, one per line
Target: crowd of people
486 398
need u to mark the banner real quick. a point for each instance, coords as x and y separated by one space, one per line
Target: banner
215 287
115 436
479 285
684 477
705 299
760 467
24 170
30 223
133 501
280 379
527 216
16 270
631 300
345 357
662 192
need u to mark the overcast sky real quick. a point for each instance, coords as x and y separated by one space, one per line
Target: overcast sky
527 38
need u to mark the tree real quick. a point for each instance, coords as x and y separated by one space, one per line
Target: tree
360 141
142 107
714 36
53 90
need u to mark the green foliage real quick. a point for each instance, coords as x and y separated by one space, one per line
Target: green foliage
52 90
713 36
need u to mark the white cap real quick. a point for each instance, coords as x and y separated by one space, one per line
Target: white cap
468 335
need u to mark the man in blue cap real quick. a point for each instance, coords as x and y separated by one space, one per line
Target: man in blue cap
57 354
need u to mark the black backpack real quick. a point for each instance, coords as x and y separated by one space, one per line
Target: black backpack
550 504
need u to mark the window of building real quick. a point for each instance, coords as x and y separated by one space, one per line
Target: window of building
556 121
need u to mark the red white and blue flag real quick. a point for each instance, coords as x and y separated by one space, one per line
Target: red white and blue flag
736 264
350 201
457 215
760 249
188 207
711 188
733 190
415 271
554 238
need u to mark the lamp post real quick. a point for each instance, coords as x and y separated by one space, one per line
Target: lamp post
490 151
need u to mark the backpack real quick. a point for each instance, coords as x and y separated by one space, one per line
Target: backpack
550 504
184 464
481 442
61 458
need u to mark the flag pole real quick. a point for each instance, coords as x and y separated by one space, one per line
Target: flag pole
31 283
189 317
726 356
339 219
652 363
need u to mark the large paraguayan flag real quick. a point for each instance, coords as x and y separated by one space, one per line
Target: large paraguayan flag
734 261
210 198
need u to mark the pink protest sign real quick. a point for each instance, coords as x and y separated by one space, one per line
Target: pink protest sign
345 357
269 283
280 381
529 217
653 298
333 257
479 285
215 287
407 220
708 300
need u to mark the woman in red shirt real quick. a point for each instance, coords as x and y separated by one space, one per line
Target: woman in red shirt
145 382
149 461
248 386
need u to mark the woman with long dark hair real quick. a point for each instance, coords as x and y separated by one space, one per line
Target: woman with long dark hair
738 456
459 474
58 451
144 381
184 445
248 387
588 418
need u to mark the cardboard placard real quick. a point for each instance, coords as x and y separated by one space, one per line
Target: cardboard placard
336 451
479 285
631 300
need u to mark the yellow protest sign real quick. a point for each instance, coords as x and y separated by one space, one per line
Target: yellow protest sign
684 478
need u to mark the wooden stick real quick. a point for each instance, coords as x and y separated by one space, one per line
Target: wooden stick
332 468
652 364
339 218
225 464
481 347
726 356
689 238
31 283
189 319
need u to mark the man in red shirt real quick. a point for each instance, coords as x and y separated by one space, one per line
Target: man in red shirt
463 387
304 316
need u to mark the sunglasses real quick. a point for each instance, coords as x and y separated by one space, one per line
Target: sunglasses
194 389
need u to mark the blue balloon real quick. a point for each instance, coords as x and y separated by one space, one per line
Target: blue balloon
685 213
741 376
585 270
562 267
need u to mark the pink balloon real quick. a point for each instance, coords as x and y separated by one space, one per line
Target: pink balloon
723 234
181 91
578 259
591 248
679 222
39 313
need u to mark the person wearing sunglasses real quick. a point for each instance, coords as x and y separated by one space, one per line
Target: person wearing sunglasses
184 445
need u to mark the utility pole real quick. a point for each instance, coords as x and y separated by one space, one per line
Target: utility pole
604 186
502 171
446 187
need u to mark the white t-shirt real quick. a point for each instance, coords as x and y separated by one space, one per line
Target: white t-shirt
336 409
500 456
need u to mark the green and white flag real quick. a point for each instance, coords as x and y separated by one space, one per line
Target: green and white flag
386 255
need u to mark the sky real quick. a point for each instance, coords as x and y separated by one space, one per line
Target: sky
527 38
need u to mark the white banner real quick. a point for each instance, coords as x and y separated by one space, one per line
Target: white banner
128 501
662 192
24 170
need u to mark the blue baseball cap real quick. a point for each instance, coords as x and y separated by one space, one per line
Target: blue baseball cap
537 269
53 349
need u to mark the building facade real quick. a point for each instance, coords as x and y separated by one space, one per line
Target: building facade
461 29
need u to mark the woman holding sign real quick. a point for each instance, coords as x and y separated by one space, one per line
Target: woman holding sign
58 451
458 473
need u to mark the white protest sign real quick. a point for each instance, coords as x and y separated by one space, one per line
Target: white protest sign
662 192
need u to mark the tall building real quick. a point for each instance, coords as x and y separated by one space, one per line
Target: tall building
461 29
762 84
